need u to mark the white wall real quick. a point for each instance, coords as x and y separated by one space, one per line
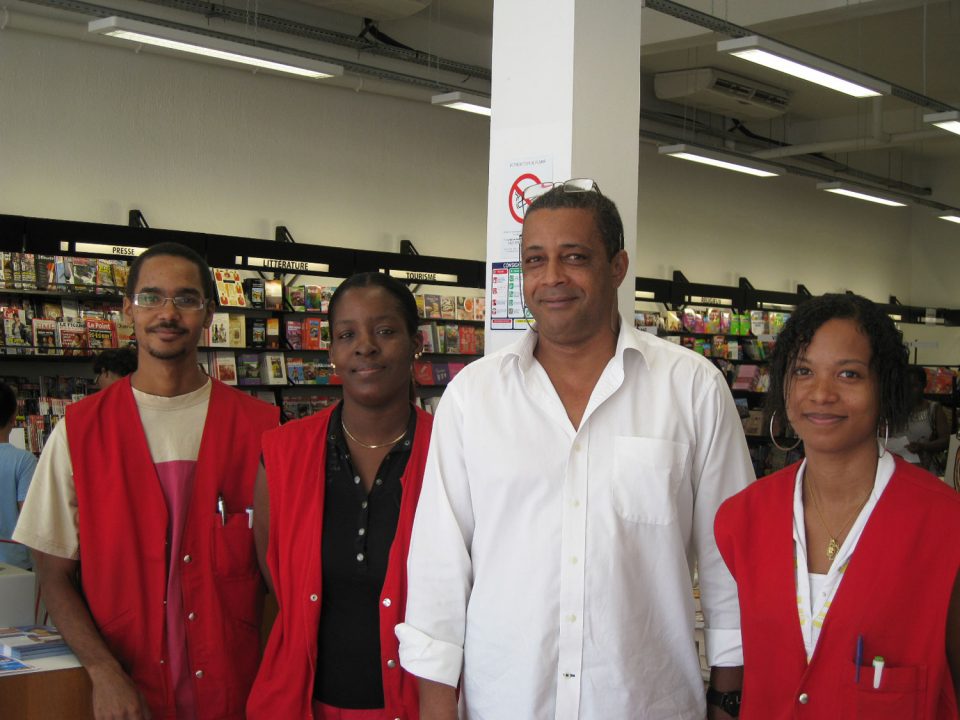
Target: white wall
88 132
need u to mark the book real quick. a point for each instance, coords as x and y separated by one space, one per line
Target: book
273 294
441 373
312 298
16 268
45 336
105 281
296 298
428 336
121 272
272 334
72 337
6 270
84 273
31 641
423 372
237 326
452 339
63 270
293 334
273 369
17 336
257 332
295 370
311 333
225 367
421 308
46 272
326 294
248 369
229 287
746 377
101 334
448 307
324 334
125 334
9 666
431 307
28 271
219 330
254 289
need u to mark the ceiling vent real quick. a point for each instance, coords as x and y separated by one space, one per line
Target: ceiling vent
723 93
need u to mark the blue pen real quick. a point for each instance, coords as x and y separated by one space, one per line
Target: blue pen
859 660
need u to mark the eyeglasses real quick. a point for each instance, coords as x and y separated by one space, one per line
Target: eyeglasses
152 301
574 185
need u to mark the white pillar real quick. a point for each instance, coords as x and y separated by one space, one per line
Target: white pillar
566 103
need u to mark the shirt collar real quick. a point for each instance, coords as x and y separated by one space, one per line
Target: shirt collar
521 352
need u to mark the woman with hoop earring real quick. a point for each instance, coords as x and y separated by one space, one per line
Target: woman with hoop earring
846 563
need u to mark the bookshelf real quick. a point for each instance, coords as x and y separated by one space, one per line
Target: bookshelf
259 334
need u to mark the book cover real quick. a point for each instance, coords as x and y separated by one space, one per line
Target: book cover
454 369
448 307
248 369
105 281
272 369
16 268
84 274
431 307
45 336
428 336
72 337
273 294
441 374
6 270
125 334
46 272
255 291
225 367
324 374
121 272
257 332
16 335
421 307
296 298
229 287
28 271
101 334
69 308
312 300
237 326
311 333
452 339
220 330
31 641
464 311
326 293
295 370
479 308
309 371
468 340
423 372
293 334
324 334
64 273
9 666
746 377
273 333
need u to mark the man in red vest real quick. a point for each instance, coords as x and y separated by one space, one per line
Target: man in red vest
146 487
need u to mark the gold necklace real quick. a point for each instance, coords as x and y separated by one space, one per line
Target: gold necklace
833 547
372 447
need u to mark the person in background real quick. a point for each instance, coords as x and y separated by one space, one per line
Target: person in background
165 614
570 488
927 429
16 472
846 563
113 364
333 510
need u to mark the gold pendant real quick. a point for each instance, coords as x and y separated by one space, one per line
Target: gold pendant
832 549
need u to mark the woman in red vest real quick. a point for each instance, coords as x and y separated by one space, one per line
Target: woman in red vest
847 563
333 511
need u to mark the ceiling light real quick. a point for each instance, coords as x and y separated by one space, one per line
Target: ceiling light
951 218
859 193
464 101
949 121
719 159
230 51
771 54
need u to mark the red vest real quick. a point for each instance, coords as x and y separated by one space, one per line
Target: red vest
295 459
123 528
895 593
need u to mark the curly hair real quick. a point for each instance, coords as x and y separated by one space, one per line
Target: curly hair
888 355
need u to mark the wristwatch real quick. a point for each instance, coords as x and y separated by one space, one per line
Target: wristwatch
729 702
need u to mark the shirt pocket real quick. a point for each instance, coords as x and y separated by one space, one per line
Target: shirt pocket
901 694
646 477
234 553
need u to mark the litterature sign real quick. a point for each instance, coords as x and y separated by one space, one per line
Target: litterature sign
421 276
288 265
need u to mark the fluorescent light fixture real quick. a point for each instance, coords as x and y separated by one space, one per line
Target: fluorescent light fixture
719 159
954 218
949 121
171 39
771 54
464 101
859 193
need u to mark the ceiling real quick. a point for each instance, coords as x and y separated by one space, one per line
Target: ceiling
912 44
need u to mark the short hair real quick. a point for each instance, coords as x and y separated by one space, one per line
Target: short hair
172 249
605 213
401 293
888 355
8 404
119 361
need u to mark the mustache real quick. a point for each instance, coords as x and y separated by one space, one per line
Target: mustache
166 325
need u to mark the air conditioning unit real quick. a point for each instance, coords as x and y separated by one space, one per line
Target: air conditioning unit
720 92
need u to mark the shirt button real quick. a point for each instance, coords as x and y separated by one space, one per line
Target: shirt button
378 481
356 480
804 698
576 447
362 531
572 618
391 663
573 560
576 503
364 505
313 597
199 673
161 662
387 602
187 558
192 616
359 557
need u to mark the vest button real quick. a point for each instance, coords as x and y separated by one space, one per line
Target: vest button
391 663
313 598
804 698
187 558
199 673
192 616
387 602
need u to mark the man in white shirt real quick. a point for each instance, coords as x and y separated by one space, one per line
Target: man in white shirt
570 489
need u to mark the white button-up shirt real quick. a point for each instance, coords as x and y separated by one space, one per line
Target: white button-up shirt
552 564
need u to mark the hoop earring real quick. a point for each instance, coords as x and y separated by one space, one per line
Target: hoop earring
774 439
886 437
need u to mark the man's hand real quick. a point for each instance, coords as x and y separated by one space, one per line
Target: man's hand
115 697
